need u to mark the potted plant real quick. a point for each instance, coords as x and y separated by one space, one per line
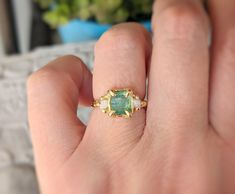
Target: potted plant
82 20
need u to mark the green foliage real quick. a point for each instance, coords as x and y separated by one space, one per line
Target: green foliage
59 16
44 3
59 12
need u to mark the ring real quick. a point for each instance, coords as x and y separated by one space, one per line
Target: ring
119 103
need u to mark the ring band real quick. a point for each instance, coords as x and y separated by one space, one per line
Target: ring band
119 103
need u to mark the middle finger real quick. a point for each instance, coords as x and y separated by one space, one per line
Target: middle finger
179 73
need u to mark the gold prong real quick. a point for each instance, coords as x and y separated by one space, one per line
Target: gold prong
127 94
111 93
131 93
127 114
111 113
104 111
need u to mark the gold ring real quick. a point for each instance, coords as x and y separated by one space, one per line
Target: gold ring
119 103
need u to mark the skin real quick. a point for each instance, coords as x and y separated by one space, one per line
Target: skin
183 143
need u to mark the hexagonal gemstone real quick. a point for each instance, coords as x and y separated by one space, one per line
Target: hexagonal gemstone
120 103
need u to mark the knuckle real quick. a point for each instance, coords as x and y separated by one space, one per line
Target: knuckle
55 76
183 21
121 37
40 79
52 72
63 61
69 58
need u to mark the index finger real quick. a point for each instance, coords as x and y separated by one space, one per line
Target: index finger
53 96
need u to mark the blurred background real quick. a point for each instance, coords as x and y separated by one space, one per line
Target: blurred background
27 24
32 33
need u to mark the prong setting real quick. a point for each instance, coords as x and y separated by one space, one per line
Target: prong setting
119 103
111 113
111 93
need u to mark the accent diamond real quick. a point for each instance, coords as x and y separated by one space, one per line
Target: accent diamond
104 104
137 103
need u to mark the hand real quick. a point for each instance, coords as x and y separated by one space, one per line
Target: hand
183 143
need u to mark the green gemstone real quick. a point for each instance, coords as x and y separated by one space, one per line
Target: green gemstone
120 103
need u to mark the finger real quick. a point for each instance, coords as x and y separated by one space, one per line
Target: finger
121 56
53 95
222 106
178 81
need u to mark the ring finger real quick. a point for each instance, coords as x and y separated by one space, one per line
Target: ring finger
121 56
